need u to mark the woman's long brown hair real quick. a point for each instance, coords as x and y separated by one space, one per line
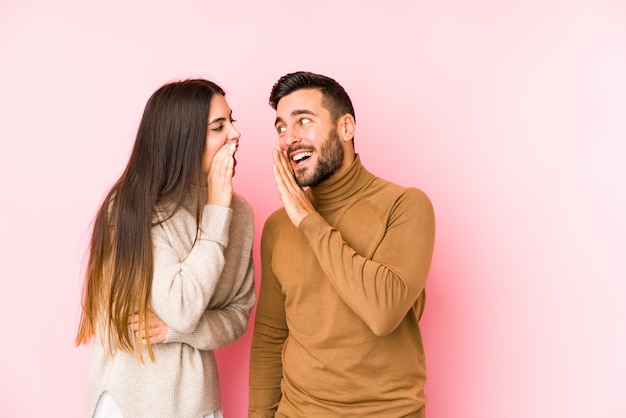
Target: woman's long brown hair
164 164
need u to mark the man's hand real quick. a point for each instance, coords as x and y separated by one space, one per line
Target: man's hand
294 200
157 329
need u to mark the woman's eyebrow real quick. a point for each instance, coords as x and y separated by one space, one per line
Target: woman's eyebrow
221 119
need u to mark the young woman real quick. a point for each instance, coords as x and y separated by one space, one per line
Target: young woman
170 273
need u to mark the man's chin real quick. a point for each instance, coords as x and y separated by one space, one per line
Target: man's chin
301 178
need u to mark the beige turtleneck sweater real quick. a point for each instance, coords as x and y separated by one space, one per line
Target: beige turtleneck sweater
204 292
337 322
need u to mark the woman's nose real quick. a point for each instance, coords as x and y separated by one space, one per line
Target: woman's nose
234 134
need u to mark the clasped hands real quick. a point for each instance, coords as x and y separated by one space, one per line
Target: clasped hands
157 329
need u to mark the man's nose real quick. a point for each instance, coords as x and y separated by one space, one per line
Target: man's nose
290 138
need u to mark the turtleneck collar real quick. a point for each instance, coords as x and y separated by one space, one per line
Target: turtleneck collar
339 189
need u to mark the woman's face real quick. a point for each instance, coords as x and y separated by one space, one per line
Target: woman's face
220 130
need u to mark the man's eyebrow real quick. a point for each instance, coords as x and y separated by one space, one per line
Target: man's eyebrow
296 113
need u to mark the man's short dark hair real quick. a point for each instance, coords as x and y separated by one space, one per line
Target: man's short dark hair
334 97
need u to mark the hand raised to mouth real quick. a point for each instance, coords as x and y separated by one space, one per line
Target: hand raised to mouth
292 195
220 177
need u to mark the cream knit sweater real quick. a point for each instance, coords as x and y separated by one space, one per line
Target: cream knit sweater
204 292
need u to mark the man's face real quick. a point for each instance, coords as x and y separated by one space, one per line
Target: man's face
306 131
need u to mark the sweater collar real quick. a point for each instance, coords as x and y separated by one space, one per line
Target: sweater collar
342 188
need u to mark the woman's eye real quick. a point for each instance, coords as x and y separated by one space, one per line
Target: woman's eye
217 128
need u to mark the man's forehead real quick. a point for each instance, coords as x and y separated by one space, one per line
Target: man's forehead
300 101
302 96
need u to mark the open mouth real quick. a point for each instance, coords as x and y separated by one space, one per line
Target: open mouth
300 157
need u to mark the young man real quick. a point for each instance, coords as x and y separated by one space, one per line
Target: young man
344 265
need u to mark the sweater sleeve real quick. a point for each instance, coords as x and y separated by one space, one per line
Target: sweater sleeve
270 333
382 288
220 327
182 288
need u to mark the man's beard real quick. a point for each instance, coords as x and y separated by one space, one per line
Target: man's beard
328 163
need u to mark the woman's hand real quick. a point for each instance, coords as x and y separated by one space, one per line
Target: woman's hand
157 329
220 177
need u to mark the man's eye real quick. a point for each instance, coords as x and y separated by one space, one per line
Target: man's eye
305 121
280 129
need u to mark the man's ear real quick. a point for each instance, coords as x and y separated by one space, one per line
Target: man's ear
347 126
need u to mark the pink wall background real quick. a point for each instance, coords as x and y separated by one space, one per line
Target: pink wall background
509 114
